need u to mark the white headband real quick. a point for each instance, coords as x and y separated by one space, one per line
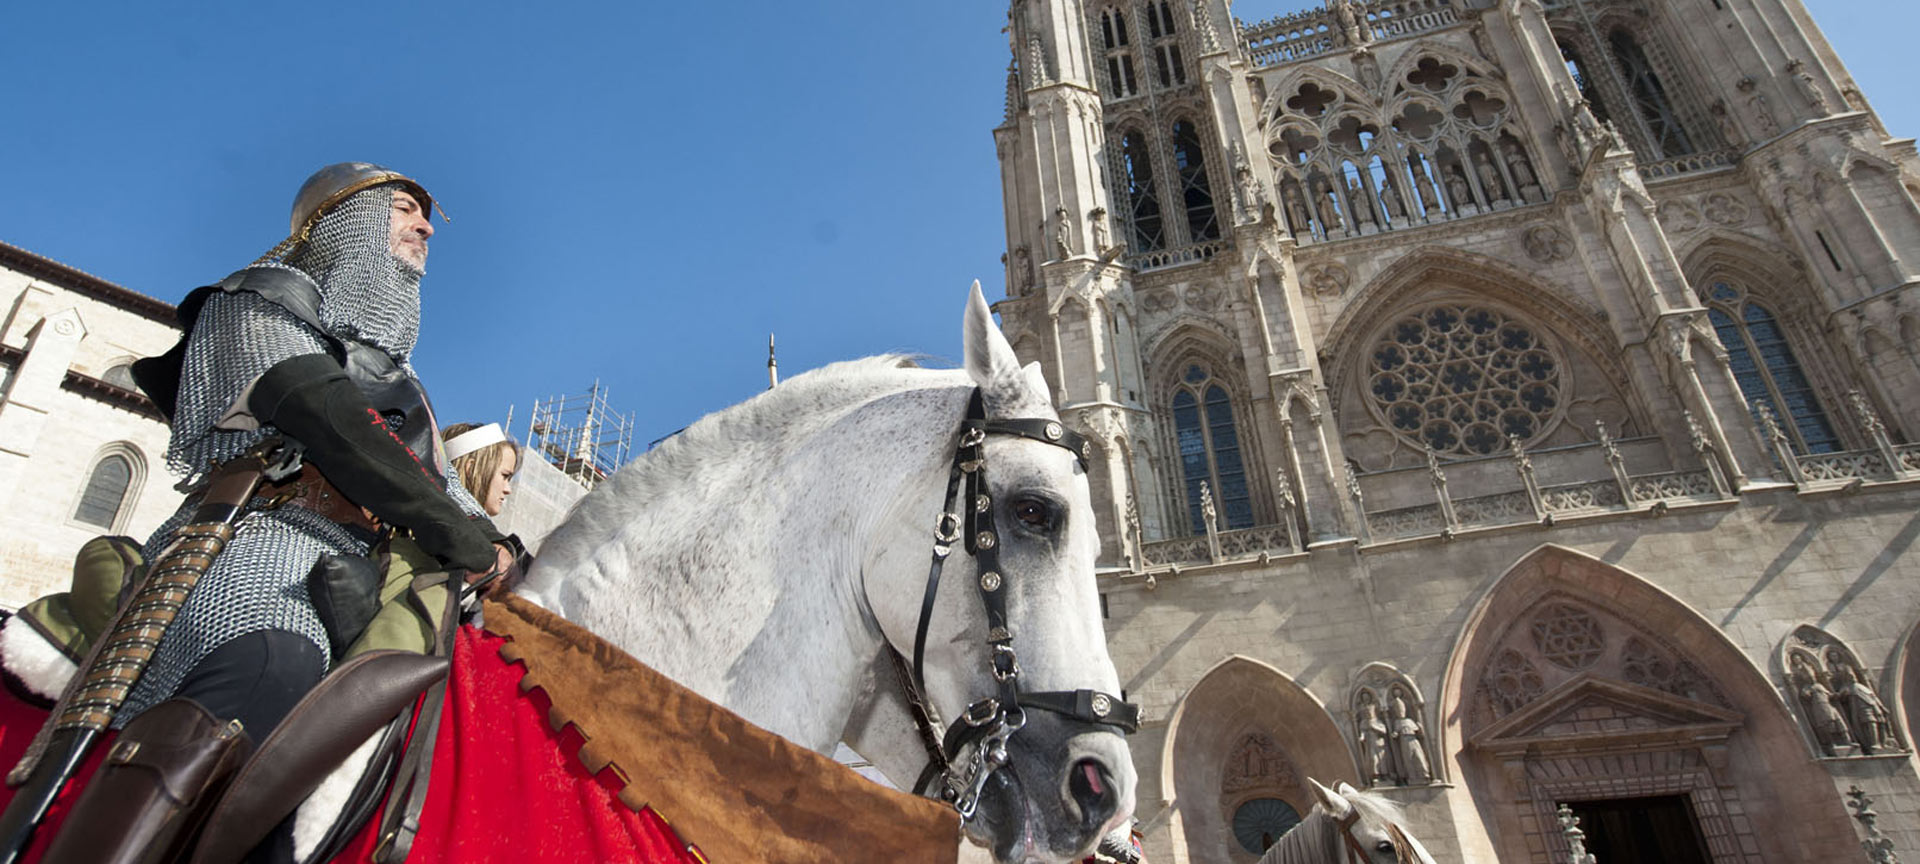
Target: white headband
474 439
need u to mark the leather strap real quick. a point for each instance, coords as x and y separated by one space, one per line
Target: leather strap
331 721
400 823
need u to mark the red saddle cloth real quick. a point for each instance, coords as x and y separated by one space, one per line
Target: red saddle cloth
534 701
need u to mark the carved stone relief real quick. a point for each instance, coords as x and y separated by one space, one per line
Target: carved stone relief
1204 297
1563 638
1568 636
1328 279
1546 244
1257 762
1835 697
1723 209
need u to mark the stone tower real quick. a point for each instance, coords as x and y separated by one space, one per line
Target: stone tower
1391 289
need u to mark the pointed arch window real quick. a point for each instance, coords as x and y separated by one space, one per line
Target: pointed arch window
1168 69
1649 96
1766 369
1145 232
108 491
1118 54
1209 446
1196 195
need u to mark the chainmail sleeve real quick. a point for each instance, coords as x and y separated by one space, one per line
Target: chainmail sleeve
237 337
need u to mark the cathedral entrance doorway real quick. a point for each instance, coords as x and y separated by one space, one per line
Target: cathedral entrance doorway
1660 828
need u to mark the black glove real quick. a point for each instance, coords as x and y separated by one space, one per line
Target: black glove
310 399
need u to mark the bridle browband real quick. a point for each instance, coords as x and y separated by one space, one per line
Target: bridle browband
990 722
1357 854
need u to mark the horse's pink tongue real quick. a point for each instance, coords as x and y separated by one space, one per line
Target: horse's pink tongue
1093 777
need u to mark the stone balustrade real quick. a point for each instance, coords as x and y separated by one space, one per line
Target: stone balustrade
1312 32
1161 259
1688 164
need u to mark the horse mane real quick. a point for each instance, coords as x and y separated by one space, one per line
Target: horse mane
739 434
1317 840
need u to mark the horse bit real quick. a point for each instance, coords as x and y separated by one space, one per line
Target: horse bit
991 722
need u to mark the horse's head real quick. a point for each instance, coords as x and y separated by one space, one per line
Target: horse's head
1020 617
1370 825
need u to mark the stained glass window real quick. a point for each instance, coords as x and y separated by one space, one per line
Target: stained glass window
1259 823
1461 379
1209 448
106 490
1766 369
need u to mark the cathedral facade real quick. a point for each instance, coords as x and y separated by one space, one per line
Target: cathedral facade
1500 405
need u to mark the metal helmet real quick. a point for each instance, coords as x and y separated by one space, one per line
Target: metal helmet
333 184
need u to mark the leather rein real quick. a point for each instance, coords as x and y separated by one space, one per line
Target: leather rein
967 516
1357 854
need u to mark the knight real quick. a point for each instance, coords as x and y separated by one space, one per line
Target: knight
310 344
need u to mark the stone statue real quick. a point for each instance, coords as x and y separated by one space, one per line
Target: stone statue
1522 172
1063 232
1022 270
1457 190
1489 177
1829 725
1357 199
1807 87
1352 22
1409 750
1763 115
1723 118
1866 715
1297 217
1390 198
1429 199
1102 240
1251 196
1329 217
1373 745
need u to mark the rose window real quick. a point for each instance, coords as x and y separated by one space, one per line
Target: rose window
1568 636
1462 379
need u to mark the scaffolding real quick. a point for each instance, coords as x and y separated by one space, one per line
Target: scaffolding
580 435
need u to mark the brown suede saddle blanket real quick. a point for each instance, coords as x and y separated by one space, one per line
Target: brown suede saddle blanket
739 792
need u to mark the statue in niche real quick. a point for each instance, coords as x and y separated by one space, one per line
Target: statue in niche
1429 199
1866 715
1329 216
1362 208
1489 177
1522 172
1390 199
1297 217
1251 196
1374 757
1457 189
1409 745
1586 128
1808 88
1063 232
1023 269
1829 724
1102 240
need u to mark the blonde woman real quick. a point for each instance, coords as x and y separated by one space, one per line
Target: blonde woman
486 460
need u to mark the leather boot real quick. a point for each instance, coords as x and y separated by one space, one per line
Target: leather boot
150 798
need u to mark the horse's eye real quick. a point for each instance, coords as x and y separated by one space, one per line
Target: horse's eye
1033 514
1383 846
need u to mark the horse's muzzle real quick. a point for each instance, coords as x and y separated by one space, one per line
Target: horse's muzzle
1066 785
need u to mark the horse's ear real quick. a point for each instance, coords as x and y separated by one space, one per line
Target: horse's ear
990 359
1036 379
1333 802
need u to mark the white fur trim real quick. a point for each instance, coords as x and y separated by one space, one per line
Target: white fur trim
34 660
322 808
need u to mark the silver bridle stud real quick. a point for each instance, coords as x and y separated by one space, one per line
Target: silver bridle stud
1101 705
1054 431
990 581
985 540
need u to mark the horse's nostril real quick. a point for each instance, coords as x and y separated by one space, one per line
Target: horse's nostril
1092 788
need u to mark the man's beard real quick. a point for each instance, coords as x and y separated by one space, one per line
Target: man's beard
408 268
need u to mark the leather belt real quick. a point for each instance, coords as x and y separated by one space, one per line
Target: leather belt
310 490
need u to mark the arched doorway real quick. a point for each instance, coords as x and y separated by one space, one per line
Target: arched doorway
1577 682
1242 744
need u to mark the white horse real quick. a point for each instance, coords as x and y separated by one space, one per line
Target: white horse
770 555
1348 826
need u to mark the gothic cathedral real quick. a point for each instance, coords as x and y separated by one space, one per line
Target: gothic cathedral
1501 405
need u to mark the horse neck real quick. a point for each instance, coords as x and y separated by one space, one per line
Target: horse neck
1316 840
742 580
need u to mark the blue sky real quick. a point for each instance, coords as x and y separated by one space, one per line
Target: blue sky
640 192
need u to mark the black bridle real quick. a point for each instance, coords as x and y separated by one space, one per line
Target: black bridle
988 723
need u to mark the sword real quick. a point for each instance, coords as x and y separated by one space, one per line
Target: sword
117 660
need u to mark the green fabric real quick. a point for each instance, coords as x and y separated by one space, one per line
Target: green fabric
72 619
400 624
